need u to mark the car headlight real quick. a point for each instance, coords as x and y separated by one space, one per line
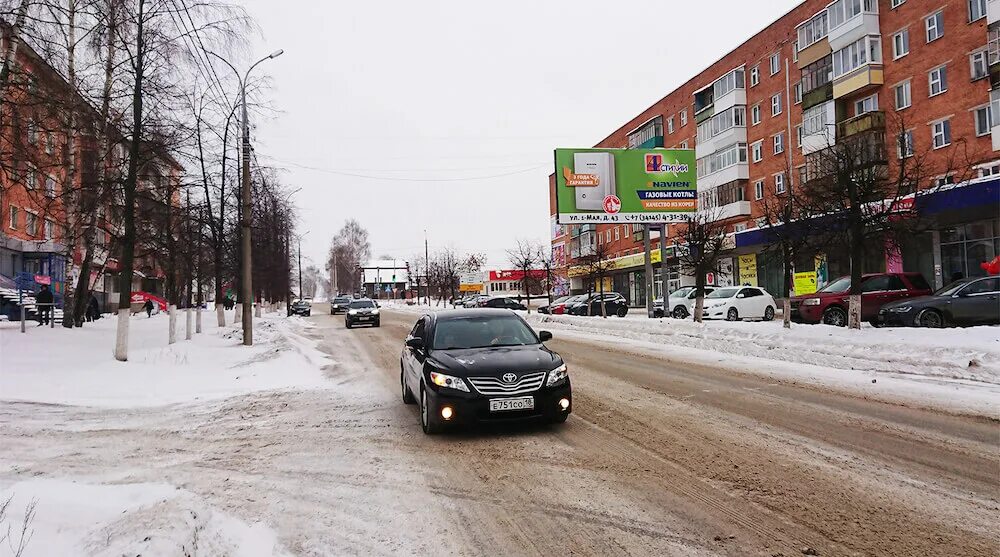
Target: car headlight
442 380
375 311
352 312
811 302
901 309
557 375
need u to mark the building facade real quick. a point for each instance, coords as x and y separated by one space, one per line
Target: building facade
917 78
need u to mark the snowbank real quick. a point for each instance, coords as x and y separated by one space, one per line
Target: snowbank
76 366
969 354
72 518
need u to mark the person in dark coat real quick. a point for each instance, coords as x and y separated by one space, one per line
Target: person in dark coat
93 309
148 306
44 300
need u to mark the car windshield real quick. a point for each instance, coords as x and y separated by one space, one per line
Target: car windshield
362 304
560 300
952 288
342 299
723 293
837 286
681 292
482 331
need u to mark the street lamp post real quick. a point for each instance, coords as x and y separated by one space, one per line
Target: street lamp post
246 289
299 238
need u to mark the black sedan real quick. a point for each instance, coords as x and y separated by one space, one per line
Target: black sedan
504 303
339 304
614 304
971 301
483 365
300 307
363 311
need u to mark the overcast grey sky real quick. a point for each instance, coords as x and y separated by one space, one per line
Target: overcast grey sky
443 91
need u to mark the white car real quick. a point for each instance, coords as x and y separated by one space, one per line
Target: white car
739 302
681 302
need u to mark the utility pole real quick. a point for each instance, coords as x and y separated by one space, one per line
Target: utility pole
649 269
301 295
663 265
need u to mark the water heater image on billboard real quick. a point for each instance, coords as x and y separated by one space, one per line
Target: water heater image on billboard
601 165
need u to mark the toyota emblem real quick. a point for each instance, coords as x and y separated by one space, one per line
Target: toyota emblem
509 378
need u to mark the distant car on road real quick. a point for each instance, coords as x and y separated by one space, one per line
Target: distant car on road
546 308
504 303
301 307
561 307
361 311
614 303
483 365
971 301
681 302
476 301
734 303
339 304
829 304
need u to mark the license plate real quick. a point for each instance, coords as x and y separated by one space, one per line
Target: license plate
509 404
364 318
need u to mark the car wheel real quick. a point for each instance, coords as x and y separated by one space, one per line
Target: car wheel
835 316
875 323
680 312
347 324
621 312
408 397
428 416
768 313
732 315
378 323
930 318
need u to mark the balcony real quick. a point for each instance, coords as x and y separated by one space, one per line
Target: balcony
725 201
814 52
995 108
735 134
817 127
738 171
856 27
869 121
819 95
992 11
866 77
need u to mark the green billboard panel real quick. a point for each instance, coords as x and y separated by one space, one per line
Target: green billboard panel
625 185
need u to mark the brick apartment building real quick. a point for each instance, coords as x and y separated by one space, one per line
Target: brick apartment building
37 234
918 70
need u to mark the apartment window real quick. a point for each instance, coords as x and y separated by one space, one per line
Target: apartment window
817 74
775 62
812 31
867 104
755 114
901 44
863 51
754 76
798 135
50 229
904 147
935 26
12 223
779 144
843 11
776 104
977 10
757 151
50 143
617 232
722 122
648 131
943 180
989 170
984 120
684 144
30 223
795 51
803 174
684 117
814 120
758 190
979 65
50 186
779 183
739 227
32 126
797 91
938 80
941 133
724 158
670 125
30 178
896 3
902 94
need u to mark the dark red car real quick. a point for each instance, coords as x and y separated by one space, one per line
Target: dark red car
829 304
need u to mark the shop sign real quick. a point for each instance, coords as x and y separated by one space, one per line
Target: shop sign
805 283
747 268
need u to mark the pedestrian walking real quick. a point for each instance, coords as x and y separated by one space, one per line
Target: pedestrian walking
44 300
148 306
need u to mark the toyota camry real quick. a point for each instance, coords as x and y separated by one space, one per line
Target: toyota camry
483 365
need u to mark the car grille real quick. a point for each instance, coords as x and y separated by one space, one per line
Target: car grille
529 382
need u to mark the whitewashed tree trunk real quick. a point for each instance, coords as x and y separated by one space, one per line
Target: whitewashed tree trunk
187 323
172 313
220 312
197 320
257 309
786 313
699 308
121 334
854 312
238 315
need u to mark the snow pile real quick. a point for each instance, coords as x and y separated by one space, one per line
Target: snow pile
77 367
969 354
72 518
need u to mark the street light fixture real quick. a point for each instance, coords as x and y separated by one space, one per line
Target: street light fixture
246 289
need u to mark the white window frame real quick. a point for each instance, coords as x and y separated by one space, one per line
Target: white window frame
617 237
893 4
12 217
670 124
989 119
862 52
758 190
50 186
684 144
944 133
907 136
981 56
939 76
797 92
775 104
757 151
779 183
774 62
30 223
779 143
903 86
684 117
50 229
866 105
31 177
981 5
900 43
935 23
798 135
755 114
755 75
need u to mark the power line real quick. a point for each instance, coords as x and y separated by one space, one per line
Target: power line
397 179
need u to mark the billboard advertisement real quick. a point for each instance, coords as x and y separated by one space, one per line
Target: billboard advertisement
625 185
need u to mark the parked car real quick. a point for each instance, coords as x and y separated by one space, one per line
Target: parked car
681 302
546 308
614 303
829 304
734 303
477 301
339 304
362 311
560 308
483 365
971 301
301 307
502 302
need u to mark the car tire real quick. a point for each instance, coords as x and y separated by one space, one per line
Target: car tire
930 318
768 313
428 419
408 397
622 311
732 315
835 316
875 323
680 312
347 324
378 323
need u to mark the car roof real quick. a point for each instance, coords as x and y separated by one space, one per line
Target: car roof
451 314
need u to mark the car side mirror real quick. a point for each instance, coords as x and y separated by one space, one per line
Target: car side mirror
415 343
544 336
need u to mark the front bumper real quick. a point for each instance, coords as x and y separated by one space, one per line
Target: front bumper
807 314
474 408
360 319
714 313
893 319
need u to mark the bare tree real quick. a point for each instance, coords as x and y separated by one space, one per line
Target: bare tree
702 239
596 264
524 257
349 250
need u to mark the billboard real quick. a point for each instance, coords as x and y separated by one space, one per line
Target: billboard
625 185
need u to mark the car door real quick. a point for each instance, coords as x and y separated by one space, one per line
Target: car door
896 290
977 303
413 363
750 303
874 294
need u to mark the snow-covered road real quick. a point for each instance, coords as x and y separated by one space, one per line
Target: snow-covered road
660 457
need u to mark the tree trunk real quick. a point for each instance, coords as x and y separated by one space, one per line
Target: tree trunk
604 308
72 315
786 305
172 314
699 302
